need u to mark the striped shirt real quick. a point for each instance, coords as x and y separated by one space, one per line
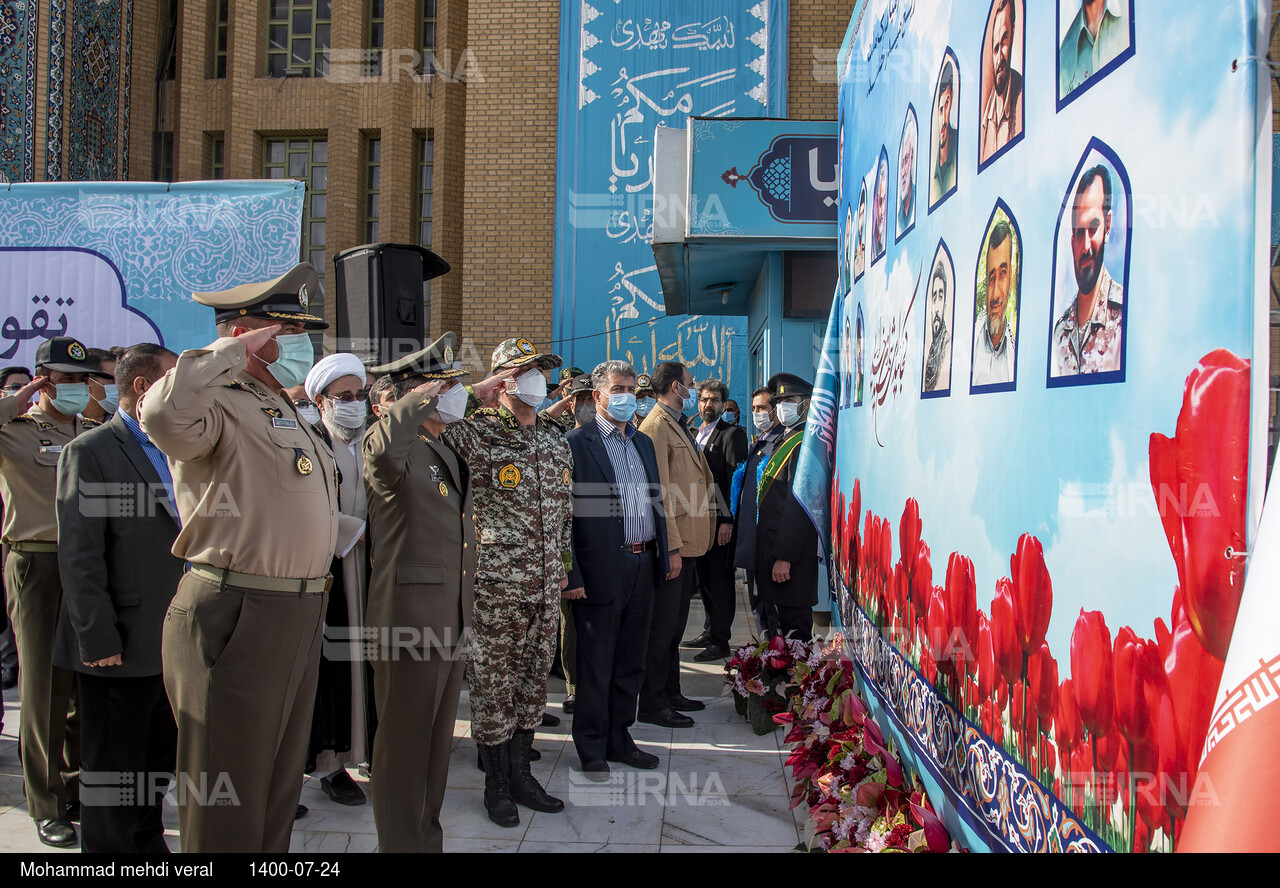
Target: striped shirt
154 455
633 484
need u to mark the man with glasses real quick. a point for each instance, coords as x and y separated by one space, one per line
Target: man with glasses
339 735
31 443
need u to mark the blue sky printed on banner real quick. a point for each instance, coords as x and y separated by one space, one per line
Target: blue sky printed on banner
1068 464
628 67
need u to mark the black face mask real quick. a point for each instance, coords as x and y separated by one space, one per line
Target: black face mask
584 413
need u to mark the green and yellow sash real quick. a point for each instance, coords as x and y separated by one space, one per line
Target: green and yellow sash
771 469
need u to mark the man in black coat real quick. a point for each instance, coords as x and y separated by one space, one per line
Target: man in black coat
116 525
725 446
786 544
619 559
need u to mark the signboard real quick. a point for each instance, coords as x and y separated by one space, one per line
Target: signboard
763 178
1038 447
628 68
115 263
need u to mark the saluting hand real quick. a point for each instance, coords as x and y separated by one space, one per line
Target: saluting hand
28 391
430 388
254 340
487 391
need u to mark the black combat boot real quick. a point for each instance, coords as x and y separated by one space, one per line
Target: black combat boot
497 787
534 756
524 788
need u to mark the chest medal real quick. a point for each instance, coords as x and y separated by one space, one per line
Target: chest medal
509 476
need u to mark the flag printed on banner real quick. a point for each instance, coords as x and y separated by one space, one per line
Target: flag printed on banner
1240 772
812 486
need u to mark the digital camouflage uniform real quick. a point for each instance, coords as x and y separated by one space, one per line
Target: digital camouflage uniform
520 480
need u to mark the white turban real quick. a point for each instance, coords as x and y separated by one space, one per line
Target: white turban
328 369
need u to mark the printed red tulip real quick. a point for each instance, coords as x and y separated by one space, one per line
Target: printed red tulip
938 633
1093 671
962 607
987 674
1042 675
1066 719
1032 593
1003 634
1132 716
886 549
1200 475
909 529
921 578
1174 774
1193 675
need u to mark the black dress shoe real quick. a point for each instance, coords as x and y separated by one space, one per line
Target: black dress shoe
667 718
644 761
59 833
301 812
8 677
342 789
567 705
712 652
684 704
549 721
700 642
596 771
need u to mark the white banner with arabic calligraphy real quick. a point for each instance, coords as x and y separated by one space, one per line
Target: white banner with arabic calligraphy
1048 436
627 68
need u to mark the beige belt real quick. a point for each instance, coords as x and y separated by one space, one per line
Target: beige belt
33 546
264 584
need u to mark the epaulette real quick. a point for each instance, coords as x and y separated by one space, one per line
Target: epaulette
552 422
25 418
89 423
486 411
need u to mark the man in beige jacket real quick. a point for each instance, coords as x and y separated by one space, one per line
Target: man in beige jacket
687 486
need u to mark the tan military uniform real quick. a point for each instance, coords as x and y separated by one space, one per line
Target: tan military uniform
420 599
257 494
30 445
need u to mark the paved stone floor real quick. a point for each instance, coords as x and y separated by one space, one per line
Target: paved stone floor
719 788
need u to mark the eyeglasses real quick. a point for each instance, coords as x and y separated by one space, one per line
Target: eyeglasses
348 397
303 403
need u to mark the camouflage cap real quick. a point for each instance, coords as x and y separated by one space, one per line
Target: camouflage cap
285 298
518 352
433 362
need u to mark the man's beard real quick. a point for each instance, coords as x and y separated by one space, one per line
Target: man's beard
338 430
1002 76
1088 280
939 328
937 351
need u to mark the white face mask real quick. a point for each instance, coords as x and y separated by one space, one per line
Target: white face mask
349 414
531 387
451 406
788 413
309 414
762 421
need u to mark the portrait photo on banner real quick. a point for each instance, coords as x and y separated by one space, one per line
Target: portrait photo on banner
859 234
1094 38
944 131
846 352
880 214
859 328
997 290
939 318
1091 273
907 196
1003 57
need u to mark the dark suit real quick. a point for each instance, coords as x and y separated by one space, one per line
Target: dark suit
782 532
423 534
613 620
724 450
118 577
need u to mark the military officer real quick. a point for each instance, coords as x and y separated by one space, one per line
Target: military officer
522 470
420 595
257 493
30 444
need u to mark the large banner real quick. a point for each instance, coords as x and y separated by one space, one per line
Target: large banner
115 263
628 67
1048 440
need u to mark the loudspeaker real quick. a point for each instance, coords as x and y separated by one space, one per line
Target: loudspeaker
382 306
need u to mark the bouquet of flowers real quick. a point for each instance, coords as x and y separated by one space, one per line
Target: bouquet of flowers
763 677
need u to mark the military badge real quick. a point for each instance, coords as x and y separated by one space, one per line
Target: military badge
448 354
508 476
444 491
75 351
303 463
303 298
568 479
525 346
273 412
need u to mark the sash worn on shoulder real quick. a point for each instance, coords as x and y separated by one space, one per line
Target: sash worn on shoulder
770 470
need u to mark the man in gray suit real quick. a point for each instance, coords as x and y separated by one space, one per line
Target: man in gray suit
116 524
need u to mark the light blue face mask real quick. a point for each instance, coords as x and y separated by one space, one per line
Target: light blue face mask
71 398
623 406
644 405
295 359
110 401
690 403
729 417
